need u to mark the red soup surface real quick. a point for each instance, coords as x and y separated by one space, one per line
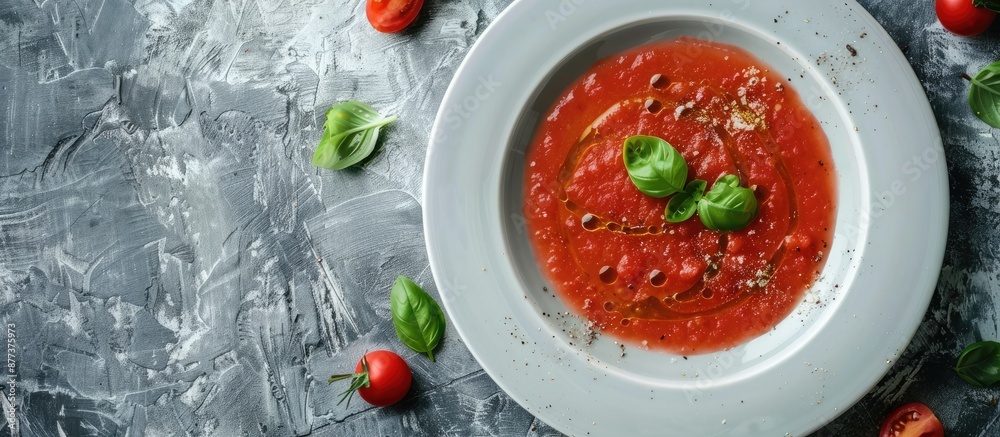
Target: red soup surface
606 246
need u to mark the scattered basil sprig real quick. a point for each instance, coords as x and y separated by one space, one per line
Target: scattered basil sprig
979 364
984 97
655 167
993 5
658 169
728 206
349 135
418 319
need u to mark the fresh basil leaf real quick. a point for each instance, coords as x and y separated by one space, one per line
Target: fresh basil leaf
349 135
729 179
984 97
681 207
727 207
655 167
696 189
418 319
979 364
993 5
684 204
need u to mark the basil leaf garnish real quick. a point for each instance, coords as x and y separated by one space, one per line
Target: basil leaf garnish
683 205
727 206
979 364
418 319
696 189
349 135
655 167
658 170
729 179
984 97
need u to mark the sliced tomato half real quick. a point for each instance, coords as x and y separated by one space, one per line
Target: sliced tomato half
912 420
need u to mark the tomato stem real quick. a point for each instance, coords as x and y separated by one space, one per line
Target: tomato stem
358 380
339 377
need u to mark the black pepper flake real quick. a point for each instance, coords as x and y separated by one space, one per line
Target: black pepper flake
852 50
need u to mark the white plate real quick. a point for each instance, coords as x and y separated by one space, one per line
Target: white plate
884 262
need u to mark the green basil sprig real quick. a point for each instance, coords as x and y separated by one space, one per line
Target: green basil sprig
984 97
418 319
993 5
655 167
728 206
658 169
979 364
684 204
349 135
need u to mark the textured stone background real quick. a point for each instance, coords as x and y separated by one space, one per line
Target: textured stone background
160 223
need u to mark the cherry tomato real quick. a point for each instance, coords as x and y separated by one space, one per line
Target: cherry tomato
393 15
381 378
912 420
962 18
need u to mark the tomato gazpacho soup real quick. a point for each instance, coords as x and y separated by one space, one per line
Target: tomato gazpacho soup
608 247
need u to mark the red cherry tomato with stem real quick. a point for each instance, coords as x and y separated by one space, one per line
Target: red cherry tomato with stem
382 378
962 18
390 16
912 420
